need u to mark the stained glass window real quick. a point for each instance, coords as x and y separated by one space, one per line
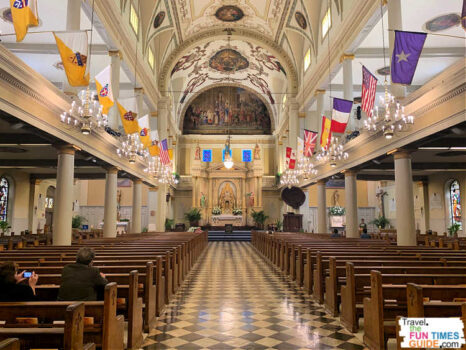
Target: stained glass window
4 189
455 203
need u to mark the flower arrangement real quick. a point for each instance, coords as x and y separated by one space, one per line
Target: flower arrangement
453 229
216 211
380 222
337 211
193 228
237 211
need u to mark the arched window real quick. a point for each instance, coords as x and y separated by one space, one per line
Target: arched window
455 203
4 196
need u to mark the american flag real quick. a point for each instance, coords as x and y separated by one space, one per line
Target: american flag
369 85
164 156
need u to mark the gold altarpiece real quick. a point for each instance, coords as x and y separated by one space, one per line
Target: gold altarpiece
237 188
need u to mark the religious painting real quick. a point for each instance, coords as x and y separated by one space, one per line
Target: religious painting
247 155
159 19
301 20
207 155
124 183
228 60
229 13
443 22
227 109
335 183
227 197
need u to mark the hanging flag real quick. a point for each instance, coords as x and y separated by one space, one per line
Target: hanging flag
170 154
290 158
144 131
408 47
127 108
154 149
310 139
24 15
164 156
326 133
300 153
369 87
73 52
340 114
104 89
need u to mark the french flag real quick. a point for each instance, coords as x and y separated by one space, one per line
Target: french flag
340 114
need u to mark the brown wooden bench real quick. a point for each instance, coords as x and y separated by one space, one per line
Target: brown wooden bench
10 344
42 330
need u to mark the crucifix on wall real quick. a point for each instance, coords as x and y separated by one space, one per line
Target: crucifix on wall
380 194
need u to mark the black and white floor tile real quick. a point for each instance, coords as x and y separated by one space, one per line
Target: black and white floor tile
233 299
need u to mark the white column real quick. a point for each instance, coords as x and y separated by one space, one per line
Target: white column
73 23
321 207
347 60
405 223
319 95
293 123
152 206
139 94
311 121
115 64
110 205
137 202
162 124
395 20
351 200
63 208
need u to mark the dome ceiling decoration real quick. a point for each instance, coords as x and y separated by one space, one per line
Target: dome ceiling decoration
299 21
225 62
229 13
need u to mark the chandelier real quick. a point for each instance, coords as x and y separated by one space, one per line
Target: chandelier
290 178
131 147
392 119
161 172
228 160
306 167
333 153
85 113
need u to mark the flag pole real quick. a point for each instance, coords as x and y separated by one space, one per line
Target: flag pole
50 31
437 34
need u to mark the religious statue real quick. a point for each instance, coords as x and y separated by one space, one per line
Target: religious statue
336 198
197 153
380 194
118 205
251 199
227 199
257 152
203 200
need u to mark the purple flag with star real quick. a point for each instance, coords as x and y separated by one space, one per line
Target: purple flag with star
408 47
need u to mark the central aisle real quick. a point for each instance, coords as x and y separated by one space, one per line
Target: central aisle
234 299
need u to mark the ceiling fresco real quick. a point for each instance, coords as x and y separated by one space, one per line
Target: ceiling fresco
228 62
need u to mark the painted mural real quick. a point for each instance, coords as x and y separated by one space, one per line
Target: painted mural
159 19
301 20
228 60
229 13
222 109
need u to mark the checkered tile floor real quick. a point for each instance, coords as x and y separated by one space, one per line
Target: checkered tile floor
234 300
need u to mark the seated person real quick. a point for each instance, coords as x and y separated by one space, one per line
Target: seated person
14 286
335 233
364 234
81 281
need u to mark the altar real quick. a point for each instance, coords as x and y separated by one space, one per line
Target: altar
224 219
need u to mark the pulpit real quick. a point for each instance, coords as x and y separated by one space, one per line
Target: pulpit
292 222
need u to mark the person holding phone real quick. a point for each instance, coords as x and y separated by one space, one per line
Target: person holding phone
16 286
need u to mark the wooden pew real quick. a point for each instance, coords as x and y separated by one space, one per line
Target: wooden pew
45 332
10 344
386 302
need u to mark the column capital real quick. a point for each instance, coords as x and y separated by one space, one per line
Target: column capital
346 56
319 92
154 114
402 154
153 189
302 115
115 53
350 172
111 169
137 181
66 149
321 182
139 91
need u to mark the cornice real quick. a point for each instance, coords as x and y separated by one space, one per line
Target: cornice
237 34
30 97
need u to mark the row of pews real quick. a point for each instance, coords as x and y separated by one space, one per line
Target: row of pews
144 271
371 282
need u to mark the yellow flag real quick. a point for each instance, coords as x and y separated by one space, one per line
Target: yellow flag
154 149
326 133
170 153
144 131
24 14
73 52
104 89
128 114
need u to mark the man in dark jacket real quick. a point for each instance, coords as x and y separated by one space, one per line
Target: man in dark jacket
81 281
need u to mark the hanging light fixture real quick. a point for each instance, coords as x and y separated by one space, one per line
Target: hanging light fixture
391 117
228 160
85 113
290 177
306 167
333 153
